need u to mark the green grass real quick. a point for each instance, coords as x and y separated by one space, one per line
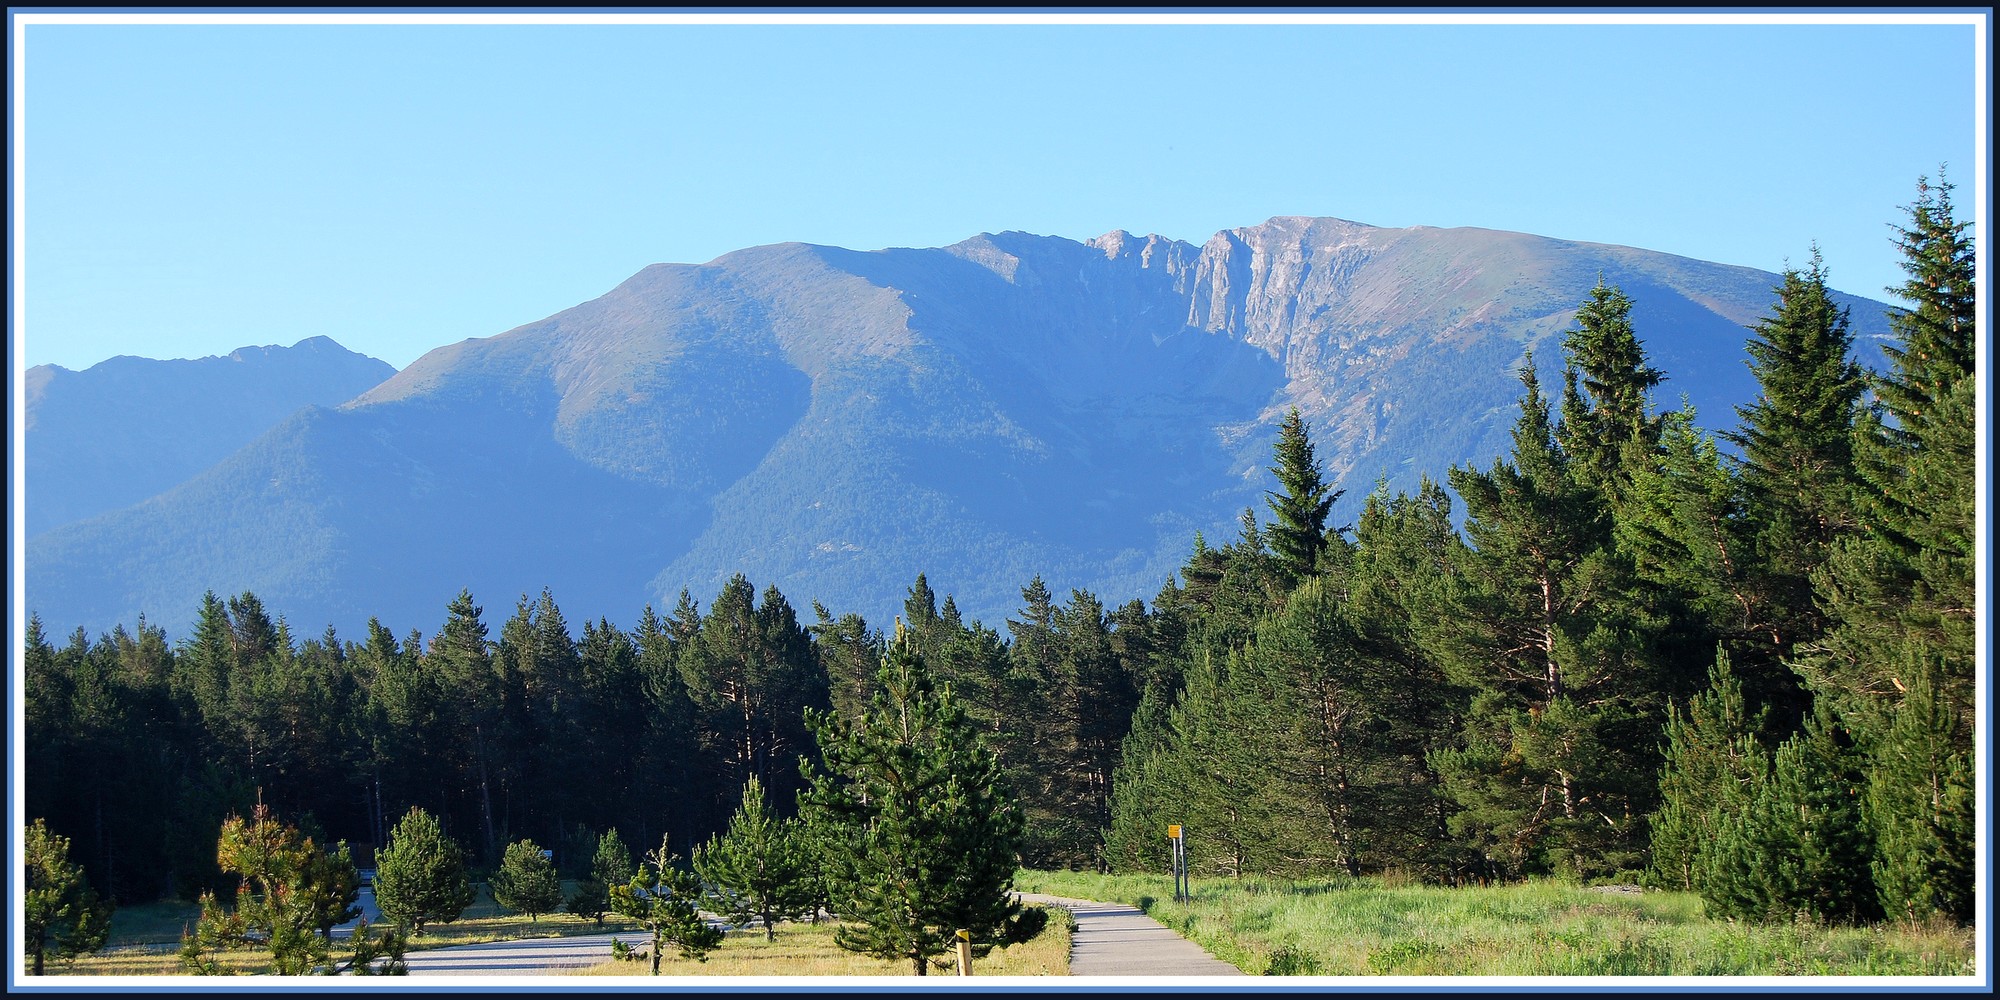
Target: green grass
1536 929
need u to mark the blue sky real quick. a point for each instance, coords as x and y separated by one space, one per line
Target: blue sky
194 188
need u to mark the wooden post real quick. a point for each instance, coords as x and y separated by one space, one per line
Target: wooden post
964 953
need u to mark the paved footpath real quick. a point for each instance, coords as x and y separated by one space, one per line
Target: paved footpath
1112 939
1115 939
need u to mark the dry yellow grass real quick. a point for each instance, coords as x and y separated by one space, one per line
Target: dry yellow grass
809 950
801 949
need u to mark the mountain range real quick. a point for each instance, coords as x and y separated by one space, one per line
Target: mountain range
128 428
834 422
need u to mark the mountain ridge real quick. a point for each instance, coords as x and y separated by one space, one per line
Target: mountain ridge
834 421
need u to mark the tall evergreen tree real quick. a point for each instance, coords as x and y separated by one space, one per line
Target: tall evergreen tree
1797 465
852 653
1609 420
1908 576
475 712
1406 558
670 765
1321 731
1551 773
1687 528
1301 503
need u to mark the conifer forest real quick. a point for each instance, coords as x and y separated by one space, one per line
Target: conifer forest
1731 654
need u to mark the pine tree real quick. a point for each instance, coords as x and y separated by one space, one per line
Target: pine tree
475 709
1799 846
1551 773
1301 502
1321 733
1214 770
610 864
61 915
420 875
758 867
1406 558
1142 799
666 900
526 881
1711 763
291 897
929 832
852 653
1920 806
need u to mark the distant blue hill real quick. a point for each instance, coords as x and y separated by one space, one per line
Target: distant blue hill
123 430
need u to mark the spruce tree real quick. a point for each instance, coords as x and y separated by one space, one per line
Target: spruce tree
929 833
1936 335
1797 465
1610 415
1908 576
1301 503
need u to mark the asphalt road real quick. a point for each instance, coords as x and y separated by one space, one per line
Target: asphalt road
531 957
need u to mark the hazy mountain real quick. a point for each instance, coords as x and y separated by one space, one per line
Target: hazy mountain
834 422
121 431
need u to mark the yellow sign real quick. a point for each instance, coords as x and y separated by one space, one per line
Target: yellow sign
1173 831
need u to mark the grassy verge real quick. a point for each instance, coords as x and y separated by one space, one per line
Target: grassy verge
1536 929
809 950
145 940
